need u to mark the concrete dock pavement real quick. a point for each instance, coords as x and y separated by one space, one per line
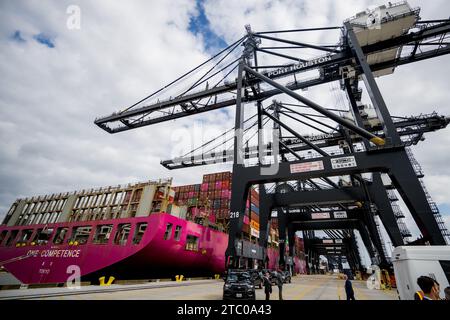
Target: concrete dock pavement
303 287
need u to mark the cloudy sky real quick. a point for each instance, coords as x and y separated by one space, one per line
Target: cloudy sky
56 79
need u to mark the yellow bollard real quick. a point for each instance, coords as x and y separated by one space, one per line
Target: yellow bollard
110 281
217 276
102 281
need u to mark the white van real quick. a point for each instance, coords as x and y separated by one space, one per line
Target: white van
411 262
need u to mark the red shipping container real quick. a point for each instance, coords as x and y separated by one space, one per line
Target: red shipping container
254 217
218 185
191 194
212 218
225 184
204 187
217 194
224 194
211 186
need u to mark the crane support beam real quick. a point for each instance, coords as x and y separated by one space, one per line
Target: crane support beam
162 111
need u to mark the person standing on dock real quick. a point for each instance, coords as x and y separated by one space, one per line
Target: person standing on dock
267 286
279 284
349 288
429 287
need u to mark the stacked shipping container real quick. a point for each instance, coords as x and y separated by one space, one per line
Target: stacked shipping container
216 191
212 198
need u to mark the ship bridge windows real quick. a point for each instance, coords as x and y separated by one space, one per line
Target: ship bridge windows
80 235
103 233
168 232
25 236
60 235
42 236
3 235
11 238
139 232
122 233
177 233
191 243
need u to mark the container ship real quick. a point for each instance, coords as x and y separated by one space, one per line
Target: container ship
144 230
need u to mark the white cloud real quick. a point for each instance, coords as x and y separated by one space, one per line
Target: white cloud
49 98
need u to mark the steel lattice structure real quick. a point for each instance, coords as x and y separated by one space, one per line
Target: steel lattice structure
306 184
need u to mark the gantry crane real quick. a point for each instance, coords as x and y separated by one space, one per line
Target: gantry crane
364 51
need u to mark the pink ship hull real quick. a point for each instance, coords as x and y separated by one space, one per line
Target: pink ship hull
153 257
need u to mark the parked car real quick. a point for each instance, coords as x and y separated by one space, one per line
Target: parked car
286 276
273 278
238 285
257 278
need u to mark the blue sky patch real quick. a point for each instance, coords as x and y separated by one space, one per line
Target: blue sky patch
200 25
444 209
44 39
17 37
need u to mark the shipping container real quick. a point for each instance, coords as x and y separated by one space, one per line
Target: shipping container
226 184
226 175
255 217
216 204
204 187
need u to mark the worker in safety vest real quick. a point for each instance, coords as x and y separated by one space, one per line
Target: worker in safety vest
418 295
430 289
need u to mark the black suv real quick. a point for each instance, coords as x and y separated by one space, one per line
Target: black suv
238 285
